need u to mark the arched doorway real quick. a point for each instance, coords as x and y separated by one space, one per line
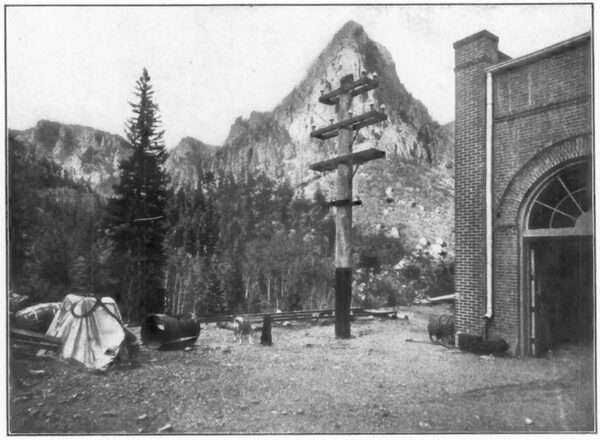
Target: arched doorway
558 243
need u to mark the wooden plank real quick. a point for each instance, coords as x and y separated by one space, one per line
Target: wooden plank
34 344
385 314
436 299
300 314
356 88
356 122
350 159
344 202
19 334
443 298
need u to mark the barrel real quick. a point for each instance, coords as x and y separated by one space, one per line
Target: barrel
441 326
167 333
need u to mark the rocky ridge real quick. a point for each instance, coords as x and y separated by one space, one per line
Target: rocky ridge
278 142
85 153
417 169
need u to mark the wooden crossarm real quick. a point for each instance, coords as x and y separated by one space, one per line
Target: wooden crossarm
358 87
344 202
350 159
355 123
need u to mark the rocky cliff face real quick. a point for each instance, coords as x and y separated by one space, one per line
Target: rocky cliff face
186 159
352 52
83 152
278 143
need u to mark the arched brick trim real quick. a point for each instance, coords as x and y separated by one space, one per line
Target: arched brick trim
547 159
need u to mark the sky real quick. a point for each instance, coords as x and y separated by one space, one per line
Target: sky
211 64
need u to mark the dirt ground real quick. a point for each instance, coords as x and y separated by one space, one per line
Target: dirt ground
310 382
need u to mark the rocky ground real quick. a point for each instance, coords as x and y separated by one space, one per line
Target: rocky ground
309 382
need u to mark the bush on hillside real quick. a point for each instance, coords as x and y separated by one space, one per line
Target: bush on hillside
428 271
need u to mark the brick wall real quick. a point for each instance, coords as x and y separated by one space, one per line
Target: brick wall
542 117
506 286
521 183
537 105
472 56
541 120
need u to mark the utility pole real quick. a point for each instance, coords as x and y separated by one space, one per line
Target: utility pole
344 163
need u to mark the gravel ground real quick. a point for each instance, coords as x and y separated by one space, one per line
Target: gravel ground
310 382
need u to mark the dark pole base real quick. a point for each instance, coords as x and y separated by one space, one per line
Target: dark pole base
343 298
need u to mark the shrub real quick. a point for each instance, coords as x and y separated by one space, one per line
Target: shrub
428 270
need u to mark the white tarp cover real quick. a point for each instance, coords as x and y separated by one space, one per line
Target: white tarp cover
89 334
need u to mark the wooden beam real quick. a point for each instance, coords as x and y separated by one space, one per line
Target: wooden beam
349 159
357 87
355 123
277 316
344 202
343 216
20 334
342 99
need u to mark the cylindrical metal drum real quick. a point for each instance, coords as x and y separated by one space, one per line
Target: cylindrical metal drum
166 333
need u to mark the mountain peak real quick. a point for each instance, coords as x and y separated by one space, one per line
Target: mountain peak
349 32
84 152
352 27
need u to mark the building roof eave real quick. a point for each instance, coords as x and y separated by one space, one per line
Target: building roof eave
534 56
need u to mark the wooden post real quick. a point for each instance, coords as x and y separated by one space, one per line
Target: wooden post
344 129
343 218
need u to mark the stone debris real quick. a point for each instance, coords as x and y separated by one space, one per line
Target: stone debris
167 428
109 414
425 425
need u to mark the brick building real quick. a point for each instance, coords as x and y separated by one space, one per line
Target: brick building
524 193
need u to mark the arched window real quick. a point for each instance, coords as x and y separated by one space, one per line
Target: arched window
563 205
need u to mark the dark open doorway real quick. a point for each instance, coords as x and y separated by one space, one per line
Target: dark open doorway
562 296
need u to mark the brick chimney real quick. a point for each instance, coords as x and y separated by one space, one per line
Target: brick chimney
472 55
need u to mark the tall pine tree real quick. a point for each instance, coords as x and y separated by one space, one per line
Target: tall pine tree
137 220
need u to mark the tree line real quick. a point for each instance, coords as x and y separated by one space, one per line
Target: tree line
246 245
228 244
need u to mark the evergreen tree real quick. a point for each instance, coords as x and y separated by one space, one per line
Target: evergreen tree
137 214
52 227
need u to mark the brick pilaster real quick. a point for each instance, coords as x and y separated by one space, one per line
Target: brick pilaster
472 55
